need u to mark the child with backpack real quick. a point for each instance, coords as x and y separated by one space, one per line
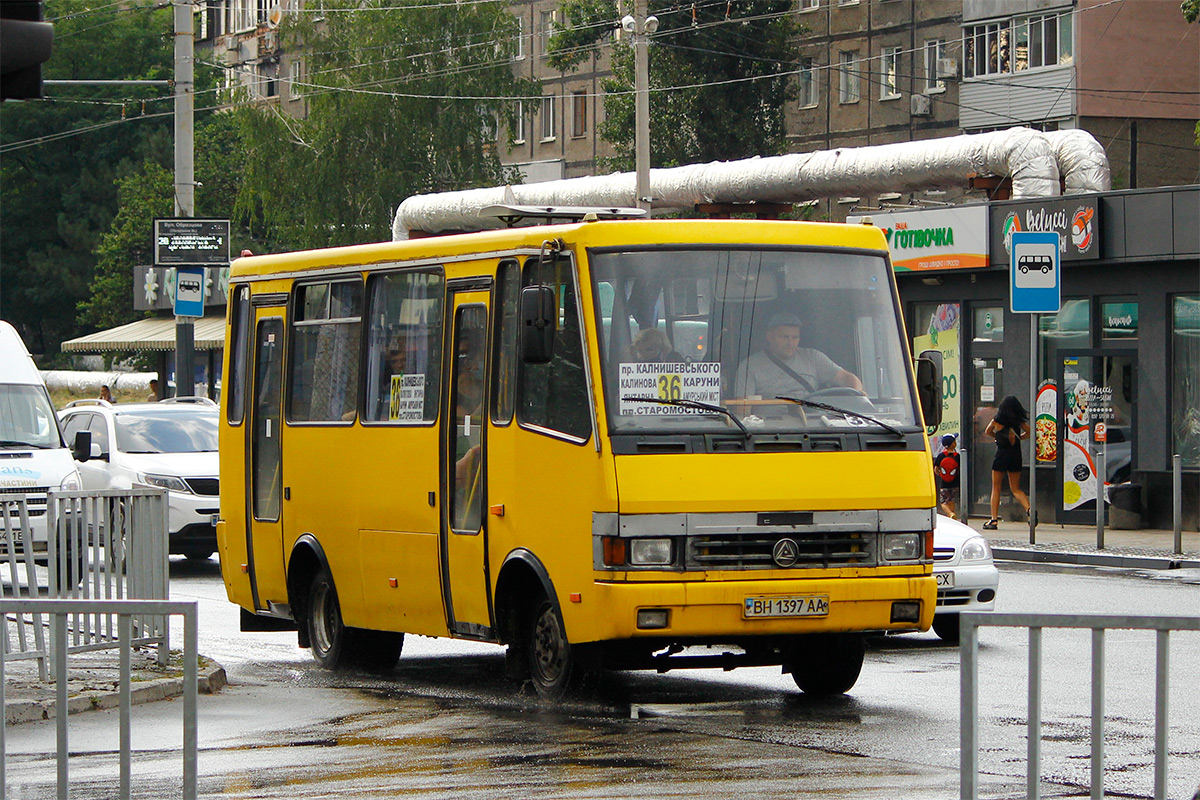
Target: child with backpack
946 467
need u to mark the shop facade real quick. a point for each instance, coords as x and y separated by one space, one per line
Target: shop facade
1123 350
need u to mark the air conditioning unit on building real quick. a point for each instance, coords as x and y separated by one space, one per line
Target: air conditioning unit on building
269 42
921 105
947 68
232 44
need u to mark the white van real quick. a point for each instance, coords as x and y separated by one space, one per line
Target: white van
33 457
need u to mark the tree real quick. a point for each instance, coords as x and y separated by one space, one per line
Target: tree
719 77
400 102
1191 10
61 158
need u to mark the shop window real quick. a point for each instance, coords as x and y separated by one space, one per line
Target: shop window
1185 379
1070 328
1118 321
987 324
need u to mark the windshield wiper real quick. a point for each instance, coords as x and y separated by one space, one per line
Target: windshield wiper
15 443
693 404
843 411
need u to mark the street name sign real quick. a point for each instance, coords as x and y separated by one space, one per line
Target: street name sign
199 242
1035 274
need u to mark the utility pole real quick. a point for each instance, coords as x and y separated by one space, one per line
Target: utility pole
641 26
185 183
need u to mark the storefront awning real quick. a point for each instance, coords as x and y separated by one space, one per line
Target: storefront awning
149 334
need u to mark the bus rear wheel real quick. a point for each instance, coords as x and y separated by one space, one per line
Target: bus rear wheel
551 662
826 663
337 646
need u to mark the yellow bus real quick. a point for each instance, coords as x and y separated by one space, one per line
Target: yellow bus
609 443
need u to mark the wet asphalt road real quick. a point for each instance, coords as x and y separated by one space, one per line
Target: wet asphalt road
448 723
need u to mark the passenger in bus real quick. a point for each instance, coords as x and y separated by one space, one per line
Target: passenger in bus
783 367
653 346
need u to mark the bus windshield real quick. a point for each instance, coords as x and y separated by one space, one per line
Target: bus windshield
741 328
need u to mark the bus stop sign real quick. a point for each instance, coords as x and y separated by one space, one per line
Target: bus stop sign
1035 275
189 292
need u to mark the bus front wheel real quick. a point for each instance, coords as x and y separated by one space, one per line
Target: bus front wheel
827 663
551 662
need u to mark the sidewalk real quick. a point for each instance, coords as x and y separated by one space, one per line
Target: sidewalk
1077 544
93 683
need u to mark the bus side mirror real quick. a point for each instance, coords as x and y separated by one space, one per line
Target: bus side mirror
81 448
539 316
929 386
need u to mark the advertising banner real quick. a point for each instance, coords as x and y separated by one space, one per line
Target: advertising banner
1076 221
934 239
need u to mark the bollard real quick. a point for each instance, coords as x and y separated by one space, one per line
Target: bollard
1177 491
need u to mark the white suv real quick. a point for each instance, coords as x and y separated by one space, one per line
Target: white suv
170 445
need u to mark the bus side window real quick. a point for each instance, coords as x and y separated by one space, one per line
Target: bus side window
504 388
554 395
326 325
404 352
239 354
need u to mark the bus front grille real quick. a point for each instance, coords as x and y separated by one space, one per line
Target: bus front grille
814 549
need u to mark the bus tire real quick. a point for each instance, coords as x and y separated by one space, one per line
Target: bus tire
946 627
326 631
827 663
376 651
551 662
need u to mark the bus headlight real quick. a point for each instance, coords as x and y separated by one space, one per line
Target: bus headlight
902 546
650 552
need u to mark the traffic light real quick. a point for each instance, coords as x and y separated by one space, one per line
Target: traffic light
25 42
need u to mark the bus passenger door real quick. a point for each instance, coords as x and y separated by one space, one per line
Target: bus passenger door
464 486
265 491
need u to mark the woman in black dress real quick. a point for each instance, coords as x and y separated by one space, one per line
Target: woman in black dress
1010 426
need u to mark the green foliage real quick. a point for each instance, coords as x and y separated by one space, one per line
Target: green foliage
716 88
1190 9
383 120
58 195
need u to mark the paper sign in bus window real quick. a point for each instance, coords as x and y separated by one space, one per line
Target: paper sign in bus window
698 382
407 401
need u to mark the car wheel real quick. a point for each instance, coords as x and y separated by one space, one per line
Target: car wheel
946 627
551 662
826 663
326 632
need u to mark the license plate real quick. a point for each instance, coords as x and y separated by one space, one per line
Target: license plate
945 580
815 605
17 536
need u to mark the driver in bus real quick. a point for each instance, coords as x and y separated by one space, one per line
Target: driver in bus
786 368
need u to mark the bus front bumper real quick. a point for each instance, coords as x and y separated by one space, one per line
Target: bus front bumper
703 610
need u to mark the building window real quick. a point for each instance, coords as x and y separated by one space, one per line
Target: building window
847 2
889 86
545 31
1185 379
549 124
295 77
518 132
848 76
935 50
809 5
245 14
578 113
1015 45
520 54
808 83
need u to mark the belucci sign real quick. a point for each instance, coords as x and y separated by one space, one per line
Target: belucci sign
1076 220
935 239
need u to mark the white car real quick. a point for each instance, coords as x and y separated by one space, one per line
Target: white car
966 576
170 445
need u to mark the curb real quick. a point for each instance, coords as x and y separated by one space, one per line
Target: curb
1121 560
18 711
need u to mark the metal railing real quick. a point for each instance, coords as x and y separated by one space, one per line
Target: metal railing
126 611
969 691
106 545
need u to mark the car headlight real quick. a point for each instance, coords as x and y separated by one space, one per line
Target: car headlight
902 546
650 552
976 549
169 482
70 483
